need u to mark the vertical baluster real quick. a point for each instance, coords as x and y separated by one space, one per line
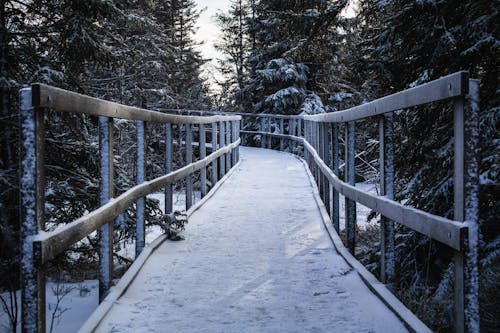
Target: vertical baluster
386 153
214 149
335 168
222 160
466 187
269 138
228 142
32 195
189 160
106 192
299 127
168 167
203 154
140 162
350 205
326 153
320 151
262 130
281 132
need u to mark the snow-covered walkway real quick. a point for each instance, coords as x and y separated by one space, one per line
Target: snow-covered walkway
256 259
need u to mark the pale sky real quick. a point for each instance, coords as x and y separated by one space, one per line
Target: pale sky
208 32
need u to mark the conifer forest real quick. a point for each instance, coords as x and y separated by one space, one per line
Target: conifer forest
279 57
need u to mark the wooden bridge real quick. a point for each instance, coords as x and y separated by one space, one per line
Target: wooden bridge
262 252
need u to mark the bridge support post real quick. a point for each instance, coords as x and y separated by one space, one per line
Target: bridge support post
214 148
350 205
262 129
106 191
335 167
32 205
140 229
203 154
222 160
281 132
168 167
189 160
386 157
466 189
228 141
326 154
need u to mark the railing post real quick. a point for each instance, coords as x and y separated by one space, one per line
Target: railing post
168 168
350 205
335 168
228 141
269 138
106 192
32 205
466 188
203 154
386 157
326 154
281 132
222 160
140 229
214 149
262 130
189 160
320 151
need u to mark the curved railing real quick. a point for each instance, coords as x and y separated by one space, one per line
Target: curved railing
319 137
39 247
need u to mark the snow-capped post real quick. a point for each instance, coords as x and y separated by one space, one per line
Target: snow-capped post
222 160
228 141
189 160
139 226
281 132
350 205
168 167
326 153
203 154
466 189
106 191
32 188
386 161
335 167
214 149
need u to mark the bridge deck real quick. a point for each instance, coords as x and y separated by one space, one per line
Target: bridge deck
256 259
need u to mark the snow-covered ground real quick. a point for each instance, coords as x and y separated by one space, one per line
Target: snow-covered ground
77 302
82 298
256 259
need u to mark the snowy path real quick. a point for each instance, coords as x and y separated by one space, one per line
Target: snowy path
256 259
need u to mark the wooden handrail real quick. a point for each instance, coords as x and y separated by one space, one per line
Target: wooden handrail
45 96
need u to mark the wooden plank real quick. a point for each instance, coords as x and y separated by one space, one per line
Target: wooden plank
447 87
31 209
67 101
55 242
228 140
